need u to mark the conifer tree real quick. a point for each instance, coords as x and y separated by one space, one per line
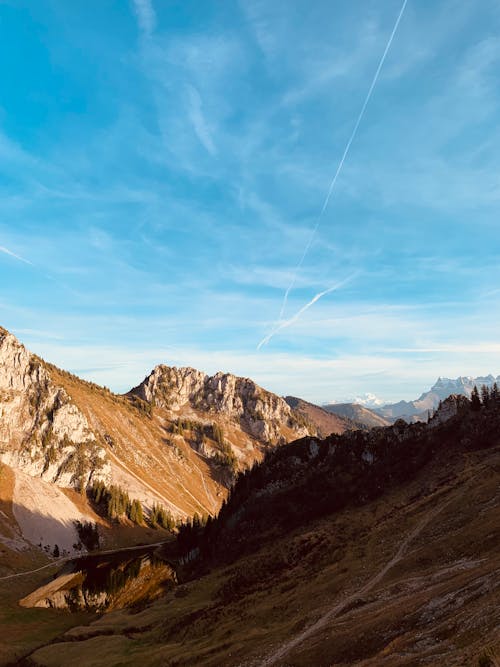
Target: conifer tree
139 517
485 395
475 400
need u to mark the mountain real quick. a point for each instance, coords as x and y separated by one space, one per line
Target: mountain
377 547
418 409
243 406
368 400
359 414
320 421
177 440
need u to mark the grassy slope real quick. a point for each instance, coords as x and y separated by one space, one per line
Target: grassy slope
358 413
325 422
145 450
438 605
164 465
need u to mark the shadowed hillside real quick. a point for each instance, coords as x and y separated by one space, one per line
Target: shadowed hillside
370 548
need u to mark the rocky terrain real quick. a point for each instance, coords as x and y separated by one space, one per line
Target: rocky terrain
42 431
177 440
257 412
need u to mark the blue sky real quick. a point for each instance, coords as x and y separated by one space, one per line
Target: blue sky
162 166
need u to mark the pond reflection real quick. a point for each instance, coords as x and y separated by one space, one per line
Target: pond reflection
99 583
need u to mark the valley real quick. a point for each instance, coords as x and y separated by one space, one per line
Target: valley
295 536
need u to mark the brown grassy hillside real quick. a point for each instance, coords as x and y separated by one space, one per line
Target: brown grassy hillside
145 455
322 421
407 575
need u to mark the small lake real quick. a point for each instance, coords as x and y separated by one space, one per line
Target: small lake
102 583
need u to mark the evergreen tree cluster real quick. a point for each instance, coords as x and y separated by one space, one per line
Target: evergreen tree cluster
141 405
196 428
486 397
226 457
161 518
136 514
114 502
190 532
218 434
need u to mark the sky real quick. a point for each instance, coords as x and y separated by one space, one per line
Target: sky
164 164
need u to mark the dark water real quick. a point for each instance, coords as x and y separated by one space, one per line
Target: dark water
102 583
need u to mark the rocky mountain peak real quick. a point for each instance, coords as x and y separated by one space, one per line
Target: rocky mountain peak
260 413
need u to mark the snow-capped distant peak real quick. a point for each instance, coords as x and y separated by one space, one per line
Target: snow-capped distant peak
463 384
368 400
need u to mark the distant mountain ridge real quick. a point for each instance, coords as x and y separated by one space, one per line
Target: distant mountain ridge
324 422
362 416
418 409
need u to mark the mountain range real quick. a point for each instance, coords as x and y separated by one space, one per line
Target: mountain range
281 532
364 410
177 439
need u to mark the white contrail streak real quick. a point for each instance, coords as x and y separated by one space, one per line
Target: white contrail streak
286 323
146 16
342 159
13 254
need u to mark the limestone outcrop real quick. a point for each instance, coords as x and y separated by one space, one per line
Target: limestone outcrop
42 432
260 413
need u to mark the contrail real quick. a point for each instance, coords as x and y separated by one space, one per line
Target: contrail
13 254
342 159
146 16
286 323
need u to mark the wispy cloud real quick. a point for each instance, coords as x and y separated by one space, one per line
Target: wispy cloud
146 16
287 323
6 251
198 120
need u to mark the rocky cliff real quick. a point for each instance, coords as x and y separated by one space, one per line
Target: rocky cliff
259 413
42 432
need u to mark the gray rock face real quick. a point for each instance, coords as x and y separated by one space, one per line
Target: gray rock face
41 431
260 413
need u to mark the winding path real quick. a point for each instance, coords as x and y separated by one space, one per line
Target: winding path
337 609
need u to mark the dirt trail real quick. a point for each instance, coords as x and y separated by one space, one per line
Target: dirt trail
59 561
340 606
